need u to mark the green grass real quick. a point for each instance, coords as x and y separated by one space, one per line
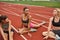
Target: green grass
39 3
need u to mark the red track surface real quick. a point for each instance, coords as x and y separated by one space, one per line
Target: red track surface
38 14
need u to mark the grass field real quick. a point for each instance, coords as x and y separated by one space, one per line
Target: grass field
39 3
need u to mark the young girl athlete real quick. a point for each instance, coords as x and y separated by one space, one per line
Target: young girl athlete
6 29
55 21
26 21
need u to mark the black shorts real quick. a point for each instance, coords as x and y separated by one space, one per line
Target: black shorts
56 32
8 32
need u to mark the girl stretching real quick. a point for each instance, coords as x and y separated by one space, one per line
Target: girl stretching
6 28
55 21
26 22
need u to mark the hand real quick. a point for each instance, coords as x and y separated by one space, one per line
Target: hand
45 37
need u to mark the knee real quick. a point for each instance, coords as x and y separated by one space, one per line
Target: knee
20 30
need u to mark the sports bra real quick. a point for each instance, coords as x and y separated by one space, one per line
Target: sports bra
5 26
56 24
25 21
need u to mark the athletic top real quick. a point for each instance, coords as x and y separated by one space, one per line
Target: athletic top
5 26
25 21
56 24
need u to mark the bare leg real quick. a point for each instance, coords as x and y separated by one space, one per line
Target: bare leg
23 30
38 25
29 34
51 34
11 35
6 36
2 33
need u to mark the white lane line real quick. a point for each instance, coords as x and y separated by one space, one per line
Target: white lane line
42 16
16 15
39 15
38 20
13 13
32 20
9 13
35 14
23 37
11 7
19 16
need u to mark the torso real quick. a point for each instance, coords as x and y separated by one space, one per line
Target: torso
5 26
56 23
25 20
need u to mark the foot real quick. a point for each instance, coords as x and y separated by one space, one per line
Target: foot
29 34
46 37
43 22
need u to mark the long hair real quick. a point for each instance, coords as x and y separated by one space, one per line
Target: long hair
3 17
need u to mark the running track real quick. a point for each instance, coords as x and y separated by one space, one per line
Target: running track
38 13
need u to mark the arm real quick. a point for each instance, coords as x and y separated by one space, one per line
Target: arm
2 33
49 27
29 26
9 30
21 20
50 23
29 22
